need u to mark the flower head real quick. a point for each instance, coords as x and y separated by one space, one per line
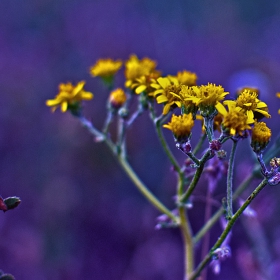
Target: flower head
69 97
105 68
187 78
181 126
167 91
250 104
117 98
207 98
261 135
135 68
235 121
143 84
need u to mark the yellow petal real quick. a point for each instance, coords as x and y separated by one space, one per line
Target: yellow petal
64 106
162 99
140 89
52 102
250 116
166 109
164 82
221 109
261 105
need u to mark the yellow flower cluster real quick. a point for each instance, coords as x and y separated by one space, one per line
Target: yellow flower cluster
181 126
105 68
69 95
140 73
178 91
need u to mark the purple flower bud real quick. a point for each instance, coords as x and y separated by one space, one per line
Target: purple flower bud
215 145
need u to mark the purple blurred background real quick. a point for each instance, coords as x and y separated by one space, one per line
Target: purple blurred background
80 217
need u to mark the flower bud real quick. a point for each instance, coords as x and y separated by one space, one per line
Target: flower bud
261 135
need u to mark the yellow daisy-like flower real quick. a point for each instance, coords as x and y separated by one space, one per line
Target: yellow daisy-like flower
250 104
105 68
261 136
69 95
235 121
207 97
278 95
250 89
143 84
181 126
187 78
167 91
189 106
135 68
117 98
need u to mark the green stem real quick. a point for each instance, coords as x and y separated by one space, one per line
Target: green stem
186 233
129 171
227 230
196 177
230 179
144 190
208 124
166 148
210 223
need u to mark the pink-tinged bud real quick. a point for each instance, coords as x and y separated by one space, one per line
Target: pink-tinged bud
215 145
3 206
9 203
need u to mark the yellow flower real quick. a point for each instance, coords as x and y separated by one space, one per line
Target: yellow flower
235 121
167 91
68 96
105 68
278 95
135 68
250 89
117 98
250 104
181 126
261 136
207 98
185 97
187 78
143 84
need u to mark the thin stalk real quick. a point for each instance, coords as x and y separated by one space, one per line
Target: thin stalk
206 240
208 124
129 171
166 148
210 223
228 228
230 179
196 177
108 121
144 190
186 233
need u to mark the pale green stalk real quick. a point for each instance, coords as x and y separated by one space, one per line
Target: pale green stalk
227 230
129 171
186 233
210 223
230 179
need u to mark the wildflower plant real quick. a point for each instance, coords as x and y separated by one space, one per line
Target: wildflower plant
181 98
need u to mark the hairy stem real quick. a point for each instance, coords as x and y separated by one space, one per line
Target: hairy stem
129 171
186 233
230 179
210 223
228 228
